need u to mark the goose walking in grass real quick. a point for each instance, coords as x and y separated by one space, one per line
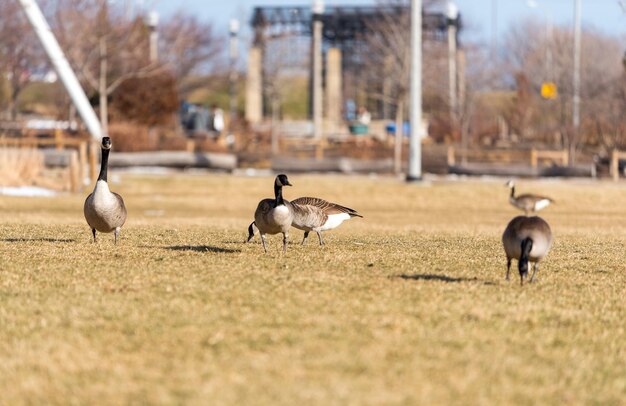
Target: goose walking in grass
527 239
314 214
274 216
104 210
527 202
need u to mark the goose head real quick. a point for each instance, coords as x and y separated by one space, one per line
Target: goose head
106 143
282 180
510 184
522 266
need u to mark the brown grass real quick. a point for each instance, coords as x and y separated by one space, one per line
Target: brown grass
406 306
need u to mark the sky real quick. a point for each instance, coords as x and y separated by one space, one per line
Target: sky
477 15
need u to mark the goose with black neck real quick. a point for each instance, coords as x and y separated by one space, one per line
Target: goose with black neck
104 210
274 216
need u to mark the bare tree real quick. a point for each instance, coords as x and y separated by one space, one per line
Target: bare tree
190 47
526 55
20 53
388 61
104 45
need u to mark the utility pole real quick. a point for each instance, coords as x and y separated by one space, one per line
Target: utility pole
415 143
452 14
233 76
576 100
152 21
65 72
318 11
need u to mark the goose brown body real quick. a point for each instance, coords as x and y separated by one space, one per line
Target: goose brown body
274 216
104 210
528 202
315 214
527 239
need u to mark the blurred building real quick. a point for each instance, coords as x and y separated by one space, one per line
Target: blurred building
353 71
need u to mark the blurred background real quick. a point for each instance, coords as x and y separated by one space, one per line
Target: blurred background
512 88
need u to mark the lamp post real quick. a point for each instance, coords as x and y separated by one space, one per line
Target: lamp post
452 12
576 99
152 21
233 74
415 142
318 11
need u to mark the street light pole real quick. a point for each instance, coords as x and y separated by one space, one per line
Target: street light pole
233 76
415 143
576 100
152 21
318 11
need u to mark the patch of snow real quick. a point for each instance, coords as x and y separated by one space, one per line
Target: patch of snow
27 191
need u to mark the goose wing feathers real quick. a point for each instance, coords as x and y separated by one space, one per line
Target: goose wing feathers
326 207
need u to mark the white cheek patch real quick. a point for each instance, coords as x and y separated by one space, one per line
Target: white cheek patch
334 220
542 204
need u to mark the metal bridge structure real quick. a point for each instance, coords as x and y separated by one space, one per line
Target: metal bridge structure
283 37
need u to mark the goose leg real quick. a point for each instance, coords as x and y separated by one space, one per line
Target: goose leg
319 235
535 269
306 235
116 233
263 241
508 268
285 239
93 231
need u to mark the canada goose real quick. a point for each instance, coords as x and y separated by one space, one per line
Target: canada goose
527 202
104 210
314 214
273 216
526 239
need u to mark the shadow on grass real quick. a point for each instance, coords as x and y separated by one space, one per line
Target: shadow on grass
439 278
201 248
63 240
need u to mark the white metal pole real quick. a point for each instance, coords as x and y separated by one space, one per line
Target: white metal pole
452 14
576 100
153 22
65 72
415 144
318 10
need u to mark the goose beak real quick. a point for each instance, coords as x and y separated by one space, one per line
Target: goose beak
288 184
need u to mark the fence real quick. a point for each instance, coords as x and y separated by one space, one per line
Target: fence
77 161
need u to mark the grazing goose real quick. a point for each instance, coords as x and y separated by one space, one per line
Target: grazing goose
273 216
104 210
526 239
314 214
527 202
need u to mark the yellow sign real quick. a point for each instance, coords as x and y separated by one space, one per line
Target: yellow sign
549 90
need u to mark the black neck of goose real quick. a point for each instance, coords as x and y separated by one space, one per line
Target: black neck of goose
278 192
104 164
512 191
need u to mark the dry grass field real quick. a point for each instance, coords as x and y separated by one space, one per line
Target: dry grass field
406 306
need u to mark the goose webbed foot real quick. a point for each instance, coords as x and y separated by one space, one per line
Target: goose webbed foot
306 235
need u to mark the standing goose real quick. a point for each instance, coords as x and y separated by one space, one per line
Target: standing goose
527 202
314 214
273 216
527 239
104 210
